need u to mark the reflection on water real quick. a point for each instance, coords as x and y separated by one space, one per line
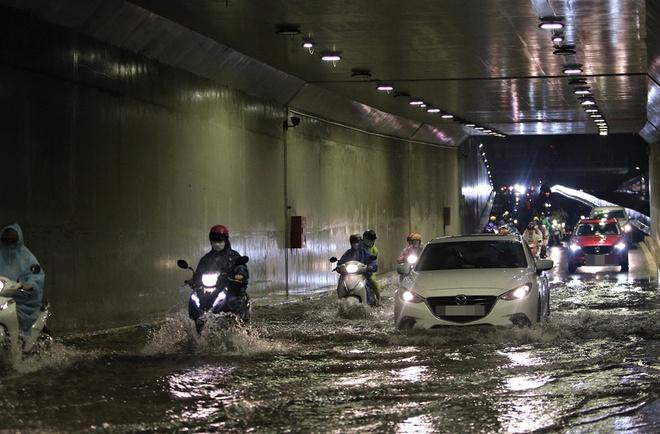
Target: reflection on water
315 366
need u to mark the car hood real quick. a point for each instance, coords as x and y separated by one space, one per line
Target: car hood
498 280
598 240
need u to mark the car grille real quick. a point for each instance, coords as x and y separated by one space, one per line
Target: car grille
472 300
598 250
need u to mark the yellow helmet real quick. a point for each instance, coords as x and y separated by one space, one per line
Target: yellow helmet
417 237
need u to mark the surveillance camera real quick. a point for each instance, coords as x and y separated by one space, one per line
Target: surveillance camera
295 121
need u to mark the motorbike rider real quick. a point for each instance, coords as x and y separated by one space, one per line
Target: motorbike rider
545 234
531 236
222 259
15 262
359 253
368 240
491 227
414 248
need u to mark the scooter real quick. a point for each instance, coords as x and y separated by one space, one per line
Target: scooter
217 294
535 248
10 337
353 283
558 231
405 268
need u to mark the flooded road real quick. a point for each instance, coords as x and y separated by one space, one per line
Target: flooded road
305 366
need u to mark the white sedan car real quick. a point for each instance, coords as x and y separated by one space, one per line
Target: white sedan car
471 280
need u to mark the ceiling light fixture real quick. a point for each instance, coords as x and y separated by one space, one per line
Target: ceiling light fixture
309 43
386 87
587 101
557 38
575 81
360 73
447 116
582 90
416 101
433 110
551 23
288 29
333 57
565 50
572 69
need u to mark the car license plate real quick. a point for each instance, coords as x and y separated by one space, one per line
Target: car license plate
472 310
601 260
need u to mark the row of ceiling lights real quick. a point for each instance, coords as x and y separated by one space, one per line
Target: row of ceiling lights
579 83
335 56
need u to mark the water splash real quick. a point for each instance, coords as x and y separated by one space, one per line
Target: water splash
178 335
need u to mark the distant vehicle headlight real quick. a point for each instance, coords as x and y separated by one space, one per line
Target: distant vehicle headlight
517 293
575 247
627 228
411 297
620 246
351 268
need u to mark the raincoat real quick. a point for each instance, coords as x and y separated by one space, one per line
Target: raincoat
361 254
222 261
15 263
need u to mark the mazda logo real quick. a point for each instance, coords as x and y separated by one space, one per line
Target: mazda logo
461 299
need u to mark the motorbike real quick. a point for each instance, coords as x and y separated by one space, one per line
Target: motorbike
10 337
535 248
353 283
405 268
558 231
217 294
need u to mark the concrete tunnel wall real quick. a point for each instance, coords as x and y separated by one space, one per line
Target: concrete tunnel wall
116 166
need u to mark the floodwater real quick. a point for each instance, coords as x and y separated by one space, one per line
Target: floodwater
305 366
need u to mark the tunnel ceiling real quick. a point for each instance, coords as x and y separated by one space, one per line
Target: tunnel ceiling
484 62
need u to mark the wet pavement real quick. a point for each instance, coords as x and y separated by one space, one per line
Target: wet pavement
306 365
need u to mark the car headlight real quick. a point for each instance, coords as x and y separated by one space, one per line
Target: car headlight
411 297
575 247
517 293
351 268
210 279
620 246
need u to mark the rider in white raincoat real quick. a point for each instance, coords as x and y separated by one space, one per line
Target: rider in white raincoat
15 263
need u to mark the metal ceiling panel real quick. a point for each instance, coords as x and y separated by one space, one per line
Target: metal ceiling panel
485 62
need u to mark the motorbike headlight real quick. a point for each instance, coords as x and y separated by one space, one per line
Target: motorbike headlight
411 297
412 259
351 268
575 247
209 279
620 246
517 293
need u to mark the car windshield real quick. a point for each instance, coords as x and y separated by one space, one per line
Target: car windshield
472 254
597 229
614 214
